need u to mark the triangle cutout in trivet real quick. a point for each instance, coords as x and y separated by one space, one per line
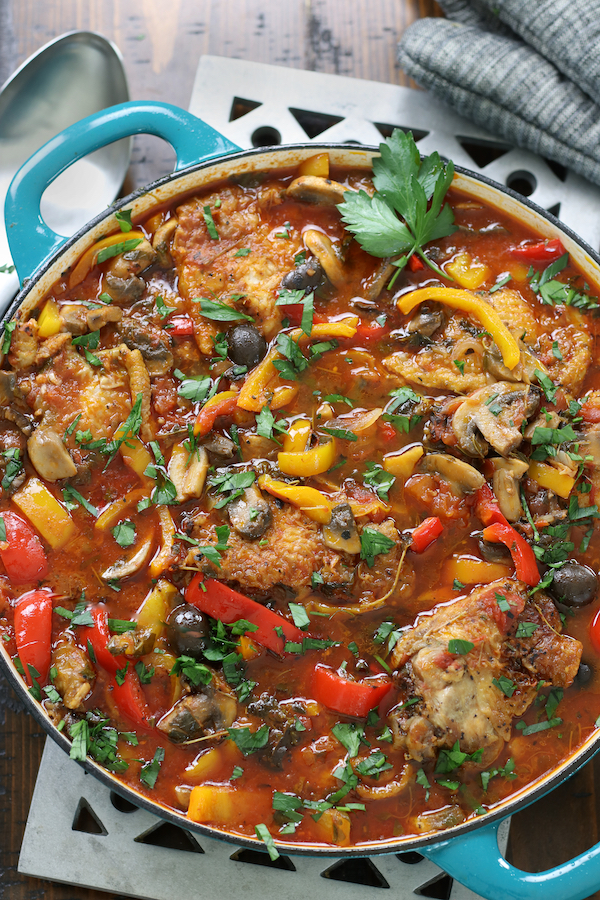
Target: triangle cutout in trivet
386 130
555 210
86 820
439 888
483 152
358 870
314 123
241 107
165 834
258 858
410 857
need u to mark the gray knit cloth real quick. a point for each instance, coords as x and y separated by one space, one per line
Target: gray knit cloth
527 70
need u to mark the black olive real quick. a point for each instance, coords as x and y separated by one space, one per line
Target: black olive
247 346
307 275
492 551
187 630
584 673
574 584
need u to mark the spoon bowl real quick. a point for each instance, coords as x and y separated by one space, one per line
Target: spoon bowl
73 76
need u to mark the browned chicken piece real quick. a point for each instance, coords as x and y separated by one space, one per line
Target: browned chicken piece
24 344
208 267
292 549
575 348
457 687
74 672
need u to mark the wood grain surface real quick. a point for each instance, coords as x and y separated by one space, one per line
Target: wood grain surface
161 43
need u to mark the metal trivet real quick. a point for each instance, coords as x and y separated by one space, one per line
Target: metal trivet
77 830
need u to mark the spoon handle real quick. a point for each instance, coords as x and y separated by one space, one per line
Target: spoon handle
32 242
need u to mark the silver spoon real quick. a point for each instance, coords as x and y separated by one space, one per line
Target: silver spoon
71 77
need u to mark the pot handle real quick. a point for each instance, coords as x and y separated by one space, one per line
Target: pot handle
475 860
30 239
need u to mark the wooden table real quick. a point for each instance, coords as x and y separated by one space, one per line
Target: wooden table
162 43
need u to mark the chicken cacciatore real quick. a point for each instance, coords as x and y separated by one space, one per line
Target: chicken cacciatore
298 503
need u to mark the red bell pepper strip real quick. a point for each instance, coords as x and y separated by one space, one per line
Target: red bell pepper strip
180 326
221 602
351 698
130 700
371 331
22 553
426 533
541 251
99 635
33 632
487 508
415 263
209 414
522 555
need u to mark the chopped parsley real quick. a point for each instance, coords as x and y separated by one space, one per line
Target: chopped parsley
116 249
195 672
504 684
249 741
350 736
449 760
123 217
210 223
220 312
377 478
294 298
459 647
149 771
373 765
373 543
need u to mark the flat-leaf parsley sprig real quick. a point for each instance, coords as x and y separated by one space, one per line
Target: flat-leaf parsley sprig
396 219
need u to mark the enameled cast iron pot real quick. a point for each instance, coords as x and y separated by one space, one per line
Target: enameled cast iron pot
468 852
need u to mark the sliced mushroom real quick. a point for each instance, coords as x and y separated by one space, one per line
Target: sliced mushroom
378 280
123 290
543 420
358 421
128 566
133 261
23 422
426 321
198 714
132 644
341 533
322 247
74 672
98 318
250 514
73 317
315 189
461 476
507 475
151 344
524 371
161 240
49 456
219 448
305 277
188 471
494 415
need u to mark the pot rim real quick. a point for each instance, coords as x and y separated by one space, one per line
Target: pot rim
524 797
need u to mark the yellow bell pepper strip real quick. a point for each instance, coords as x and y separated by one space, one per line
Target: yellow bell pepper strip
467 273
164 555
222 404
548 477
90 256
315 165
135 455
156 606
303 464
297 436
49 320
402 464
263 382
45 513
215 803
109 517
469 303
470 570
311 501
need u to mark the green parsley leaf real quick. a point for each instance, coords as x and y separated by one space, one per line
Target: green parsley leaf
116 249
264 834
81 615
373 765
525 629
196 672
8 269
70 495
193 387
210 223
424 782
243 251
144 673
299 615
504 684
547 385
341 433
14 466
249 741
377 478
149 771
120 626
459 647
502 602
460 365
294 363
556 351
457 585
9 327
161 307
537 726
338 398
373 543
449 760
504 279
349 735
123 217
220 312
405 212
80 736
52 694
237 773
